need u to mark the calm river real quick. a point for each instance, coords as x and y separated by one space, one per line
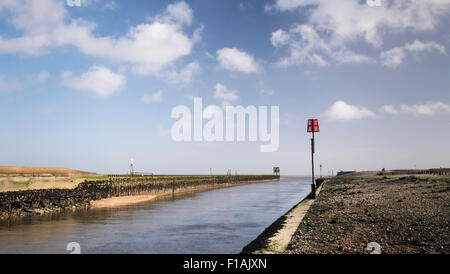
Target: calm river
217 221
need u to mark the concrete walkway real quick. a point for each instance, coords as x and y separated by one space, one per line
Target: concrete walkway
279 242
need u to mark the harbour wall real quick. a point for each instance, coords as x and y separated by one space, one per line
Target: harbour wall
44 201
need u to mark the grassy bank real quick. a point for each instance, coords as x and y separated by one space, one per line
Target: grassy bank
17 178
403 214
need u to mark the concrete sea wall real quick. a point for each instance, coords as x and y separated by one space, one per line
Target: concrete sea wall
275 238
29 202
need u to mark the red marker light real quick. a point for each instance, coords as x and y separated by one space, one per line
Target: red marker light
313 125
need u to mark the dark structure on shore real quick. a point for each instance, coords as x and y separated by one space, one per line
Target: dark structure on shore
431 171
340 173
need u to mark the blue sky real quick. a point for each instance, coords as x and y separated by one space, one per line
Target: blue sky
91 86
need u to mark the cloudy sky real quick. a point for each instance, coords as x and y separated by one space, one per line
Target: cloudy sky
90 86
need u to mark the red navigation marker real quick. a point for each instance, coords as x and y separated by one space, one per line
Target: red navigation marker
313 125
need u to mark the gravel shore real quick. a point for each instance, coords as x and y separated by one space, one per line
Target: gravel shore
402 214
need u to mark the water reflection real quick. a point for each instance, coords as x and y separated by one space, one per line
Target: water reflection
217 221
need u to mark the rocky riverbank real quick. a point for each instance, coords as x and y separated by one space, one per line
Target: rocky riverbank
403 214
44 201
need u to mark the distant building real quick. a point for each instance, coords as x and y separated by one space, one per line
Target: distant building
340 173
276 171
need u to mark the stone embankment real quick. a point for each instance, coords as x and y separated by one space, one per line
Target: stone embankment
29 202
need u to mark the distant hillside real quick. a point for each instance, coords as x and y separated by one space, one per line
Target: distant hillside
39 171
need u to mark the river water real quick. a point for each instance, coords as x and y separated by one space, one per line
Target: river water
217 221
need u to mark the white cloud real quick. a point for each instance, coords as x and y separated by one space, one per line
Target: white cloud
154 97
355 21
390 109
9 86
225 94
395 57
98 79
179 13
102 4
305 45
42 76
185 75
222 92
279 38
148 48
236 60
425 46
428 108
340 110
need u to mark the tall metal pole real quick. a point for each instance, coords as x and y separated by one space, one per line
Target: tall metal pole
313 185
